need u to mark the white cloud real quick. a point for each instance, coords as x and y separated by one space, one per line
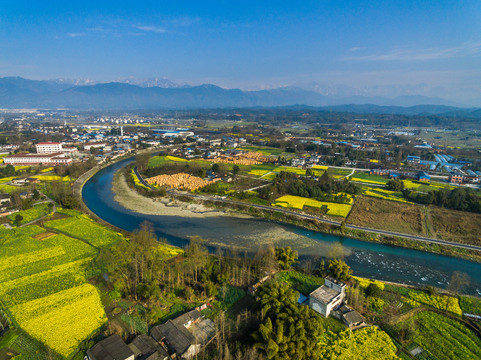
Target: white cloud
463 50
155 29
74 35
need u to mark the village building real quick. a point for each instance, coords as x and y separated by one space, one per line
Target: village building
146 348
327 297
185 335
111 348
38 159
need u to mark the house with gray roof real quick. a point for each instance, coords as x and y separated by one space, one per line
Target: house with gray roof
185 335
327 297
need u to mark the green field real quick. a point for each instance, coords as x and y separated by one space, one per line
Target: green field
84 228
36 212
444 338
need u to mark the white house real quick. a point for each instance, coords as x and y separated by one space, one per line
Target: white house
327 297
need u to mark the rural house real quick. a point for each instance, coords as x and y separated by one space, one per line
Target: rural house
111 348
327 297
185 335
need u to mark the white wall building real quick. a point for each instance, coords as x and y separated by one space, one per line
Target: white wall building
37 159
49 147
327 297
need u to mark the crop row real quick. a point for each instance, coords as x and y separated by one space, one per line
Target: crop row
441 302
298 202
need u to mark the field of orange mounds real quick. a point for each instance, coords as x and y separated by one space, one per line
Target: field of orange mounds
179 181
249 158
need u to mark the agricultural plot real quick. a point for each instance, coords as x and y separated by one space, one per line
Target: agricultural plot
385 194
440 302
84 228
51 178
44 290
36 212
368 178
470 305
298 202
7 179
445 338
369 343
453 225
387 215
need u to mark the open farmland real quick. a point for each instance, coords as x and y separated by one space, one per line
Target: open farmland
85 228
458 226
44 290
387 215
443 337
298 202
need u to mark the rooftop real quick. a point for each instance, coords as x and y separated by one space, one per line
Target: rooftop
111 348
353 317
324 294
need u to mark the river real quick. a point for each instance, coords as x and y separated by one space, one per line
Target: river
366 259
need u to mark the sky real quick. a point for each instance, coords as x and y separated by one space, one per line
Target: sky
340 48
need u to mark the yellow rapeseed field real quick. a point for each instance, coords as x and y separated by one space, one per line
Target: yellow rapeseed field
174 158
76 312
298 202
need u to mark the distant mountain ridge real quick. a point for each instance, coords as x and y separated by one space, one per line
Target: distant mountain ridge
17 92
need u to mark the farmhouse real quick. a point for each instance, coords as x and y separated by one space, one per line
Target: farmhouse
185 335
146 348
327 297
111 348
423 176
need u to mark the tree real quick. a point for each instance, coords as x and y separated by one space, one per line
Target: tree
286 257
235 170
18 219
309 172
215 167
340 270
142 161
395 185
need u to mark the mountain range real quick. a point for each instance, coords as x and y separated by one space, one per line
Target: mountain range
131 94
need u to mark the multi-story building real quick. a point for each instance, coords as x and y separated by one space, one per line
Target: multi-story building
49 147
38 159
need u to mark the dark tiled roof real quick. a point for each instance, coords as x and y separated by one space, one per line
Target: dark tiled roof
111 348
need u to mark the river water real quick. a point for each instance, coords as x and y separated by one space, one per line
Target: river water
367 259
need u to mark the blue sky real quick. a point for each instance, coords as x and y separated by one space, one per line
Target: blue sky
385 48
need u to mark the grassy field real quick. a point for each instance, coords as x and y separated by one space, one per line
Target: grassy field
44 290
378 192
387 215
8 189
458 226
362 176
262 149
303 283
298 202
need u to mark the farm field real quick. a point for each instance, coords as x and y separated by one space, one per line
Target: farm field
470 305
453 225
378 192
52 178
44 290
443 337
84 228
4 188
368 178
387 215
298 202
36 212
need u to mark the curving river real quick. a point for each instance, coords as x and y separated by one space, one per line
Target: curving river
367 259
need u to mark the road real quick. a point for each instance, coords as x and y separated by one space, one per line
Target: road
328 221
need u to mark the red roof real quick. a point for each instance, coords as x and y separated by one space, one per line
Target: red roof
33 155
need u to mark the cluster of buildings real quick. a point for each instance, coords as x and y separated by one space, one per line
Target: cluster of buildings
179 338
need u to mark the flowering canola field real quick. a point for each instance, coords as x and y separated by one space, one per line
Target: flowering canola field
43 287
298 202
